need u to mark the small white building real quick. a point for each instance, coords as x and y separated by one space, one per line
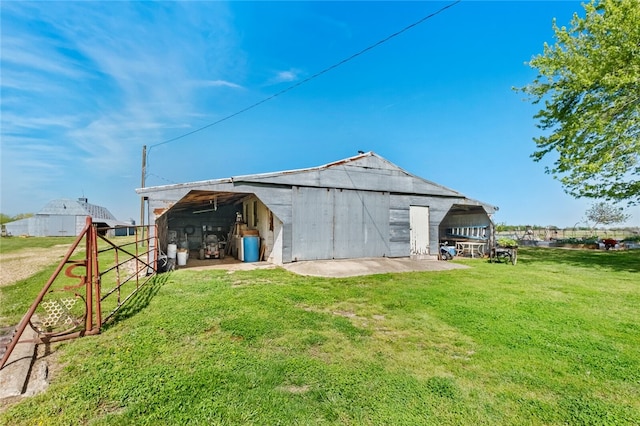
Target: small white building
63 217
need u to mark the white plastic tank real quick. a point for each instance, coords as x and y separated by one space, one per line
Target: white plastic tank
171 251
239 247
182 257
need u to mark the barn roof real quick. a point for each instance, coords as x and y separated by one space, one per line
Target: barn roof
366 171
80 207
350 173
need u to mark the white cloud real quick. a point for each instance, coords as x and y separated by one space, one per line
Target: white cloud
102 79
217 83
12 122
31 53
285 76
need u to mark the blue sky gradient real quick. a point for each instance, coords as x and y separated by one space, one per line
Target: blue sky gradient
84 85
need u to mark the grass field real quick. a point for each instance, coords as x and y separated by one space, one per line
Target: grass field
10 244
554 340
15 299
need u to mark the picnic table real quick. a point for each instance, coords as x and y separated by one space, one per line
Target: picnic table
469 247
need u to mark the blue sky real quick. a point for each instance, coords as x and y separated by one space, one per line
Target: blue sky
86 84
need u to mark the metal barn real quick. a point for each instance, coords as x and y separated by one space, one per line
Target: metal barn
363 206
63 217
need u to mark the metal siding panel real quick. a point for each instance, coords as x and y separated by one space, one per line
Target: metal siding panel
20 227
40 226
399 225
79 224
53 226
348 220
372 173
361 224
287 242
278 200
398 249
61 226
312 223
437 211
376 224
69 225
358 178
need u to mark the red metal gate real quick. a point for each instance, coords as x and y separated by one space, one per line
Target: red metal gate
101 279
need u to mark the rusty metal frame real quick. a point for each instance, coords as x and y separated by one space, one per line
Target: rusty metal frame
141 266
91 280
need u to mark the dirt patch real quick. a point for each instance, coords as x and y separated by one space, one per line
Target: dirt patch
295 389
18 265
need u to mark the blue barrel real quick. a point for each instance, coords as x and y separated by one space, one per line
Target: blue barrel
251 247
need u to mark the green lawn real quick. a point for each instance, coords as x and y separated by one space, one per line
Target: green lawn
554 340
9 244
16 299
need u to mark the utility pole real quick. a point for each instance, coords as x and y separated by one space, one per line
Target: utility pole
144 172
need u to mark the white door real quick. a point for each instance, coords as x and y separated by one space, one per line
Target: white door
419 230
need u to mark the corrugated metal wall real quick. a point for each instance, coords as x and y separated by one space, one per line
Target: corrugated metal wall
398 230
361 225
60 226
20 227
46 226
312 225
332 223
399 239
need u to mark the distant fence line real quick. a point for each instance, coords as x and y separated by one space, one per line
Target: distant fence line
548 234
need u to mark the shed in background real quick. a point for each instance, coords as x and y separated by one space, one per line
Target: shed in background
64 217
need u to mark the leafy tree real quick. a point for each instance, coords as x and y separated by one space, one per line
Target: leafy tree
605 214
22 216
501 227
589 85
6 218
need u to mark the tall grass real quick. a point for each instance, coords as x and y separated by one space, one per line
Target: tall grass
553 340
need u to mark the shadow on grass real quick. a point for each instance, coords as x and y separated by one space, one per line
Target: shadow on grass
616 260
139 301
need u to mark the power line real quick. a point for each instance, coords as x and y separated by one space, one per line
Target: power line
318 74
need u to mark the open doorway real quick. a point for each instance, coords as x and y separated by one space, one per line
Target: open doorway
469 228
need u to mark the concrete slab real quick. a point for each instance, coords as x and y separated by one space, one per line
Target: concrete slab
14 376
367 266
331 268
232 265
